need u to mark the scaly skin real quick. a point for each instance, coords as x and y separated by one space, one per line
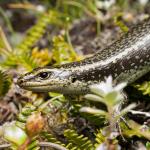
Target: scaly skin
126 60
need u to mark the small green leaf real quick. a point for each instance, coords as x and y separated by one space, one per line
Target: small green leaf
148 145
94 98
4 83
93 111
111 98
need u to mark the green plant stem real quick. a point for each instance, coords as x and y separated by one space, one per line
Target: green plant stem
69 41
98 27
2 12
111 119
4 39
79 5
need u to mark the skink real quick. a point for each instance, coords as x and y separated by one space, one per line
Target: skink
127 59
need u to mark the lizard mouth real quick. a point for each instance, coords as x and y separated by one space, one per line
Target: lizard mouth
43 88
28 84
33 86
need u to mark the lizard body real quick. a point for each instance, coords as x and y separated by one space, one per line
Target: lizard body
127 59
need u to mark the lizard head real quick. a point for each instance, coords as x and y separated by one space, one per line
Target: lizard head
51 80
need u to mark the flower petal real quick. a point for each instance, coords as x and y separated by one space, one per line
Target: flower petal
120 86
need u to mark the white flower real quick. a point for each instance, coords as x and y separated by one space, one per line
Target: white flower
143 2
104 88
105 4
40 8
106 92
104 146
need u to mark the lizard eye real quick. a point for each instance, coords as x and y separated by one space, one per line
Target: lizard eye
74 79
44 75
